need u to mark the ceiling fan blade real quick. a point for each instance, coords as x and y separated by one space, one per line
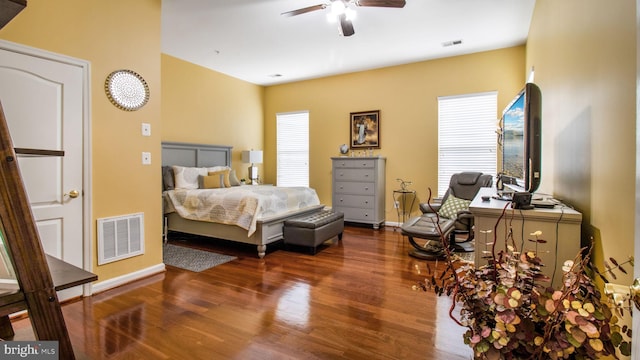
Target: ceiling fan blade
346 26
382 3
304 10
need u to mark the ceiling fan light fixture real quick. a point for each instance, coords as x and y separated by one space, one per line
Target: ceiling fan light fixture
350 13
341 11
337 8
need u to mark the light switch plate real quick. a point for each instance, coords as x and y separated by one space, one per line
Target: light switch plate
146 158
146 129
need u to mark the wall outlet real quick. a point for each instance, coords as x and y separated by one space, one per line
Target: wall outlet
146 129
146 158
396 204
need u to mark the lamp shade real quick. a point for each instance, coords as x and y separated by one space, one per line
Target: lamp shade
252 156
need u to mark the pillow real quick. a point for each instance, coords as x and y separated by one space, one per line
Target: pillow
224 174
167 178
233 178
452 206
211 181
187 177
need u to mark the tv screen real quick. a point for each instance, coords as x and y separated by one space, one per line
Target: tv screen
521 139
513 139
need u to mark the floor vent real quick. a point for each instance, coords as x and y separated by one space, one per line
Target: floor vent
120 237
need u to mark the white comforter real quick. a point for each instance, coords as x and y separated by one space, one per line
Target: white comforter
239 205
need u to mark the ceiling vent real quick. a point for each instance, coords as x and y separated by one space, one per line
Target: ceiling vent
451 43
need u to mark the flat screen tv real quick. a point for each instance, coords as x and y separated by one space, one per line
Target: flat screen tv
521 140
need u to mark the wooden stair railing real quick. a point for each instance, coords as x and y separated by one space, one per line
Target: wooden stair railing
37 290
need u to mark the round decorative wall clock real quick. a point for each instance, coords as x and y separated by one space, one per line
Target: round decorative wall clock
127 90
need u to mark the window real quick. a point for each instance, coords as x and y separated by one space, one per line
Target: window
467 138
293 148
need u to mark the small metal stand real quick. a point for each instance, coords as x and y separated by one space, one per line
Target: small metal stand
405 198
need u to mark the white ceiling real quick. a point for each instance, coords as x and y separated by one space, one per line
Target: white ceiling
252 41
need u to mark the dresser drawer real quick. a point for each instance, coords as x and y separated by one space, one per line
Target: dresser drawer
355 214
354 174
355 163
358 201
357 188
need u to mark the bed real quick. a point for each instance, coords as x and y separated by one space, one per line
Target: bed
254 214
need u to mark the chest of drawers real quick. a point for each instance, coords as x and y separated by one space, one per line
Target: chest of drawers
358 189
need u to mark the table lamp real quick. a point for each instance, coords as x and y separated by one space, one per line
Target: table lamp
253 157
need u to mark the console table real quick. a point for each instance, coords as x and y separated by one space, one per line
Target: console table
560 227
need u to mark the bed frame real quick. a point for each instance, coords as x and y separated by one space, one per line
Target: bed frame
268 229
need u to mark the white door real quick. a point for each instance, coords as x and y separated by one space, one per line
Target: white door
43 104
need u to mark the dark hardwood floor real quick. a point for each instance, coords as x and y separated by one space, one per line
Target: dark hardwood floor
352 300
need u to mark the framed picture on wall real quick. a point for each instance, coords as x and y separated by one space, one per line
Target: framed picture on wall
364 130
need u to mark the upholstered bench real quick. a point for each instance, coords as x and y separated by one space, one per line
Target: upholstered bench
426 227
313 229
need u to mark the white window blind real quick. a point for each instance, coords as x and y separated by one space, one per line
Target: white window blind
467 139
293 148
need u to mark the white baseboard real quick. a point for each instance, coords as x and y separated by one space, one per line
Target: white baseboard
127 278
391 224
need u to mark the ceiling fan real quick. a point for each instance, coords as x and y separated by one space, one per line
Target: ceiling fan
343 13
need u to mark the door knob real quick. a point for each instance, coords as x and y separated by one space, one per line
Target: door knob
72 194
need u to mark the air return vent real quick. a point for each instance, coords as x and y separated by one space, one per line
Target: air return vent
120 237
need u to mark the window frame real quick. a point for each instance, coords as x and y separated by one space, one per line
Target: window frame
292 157
467 136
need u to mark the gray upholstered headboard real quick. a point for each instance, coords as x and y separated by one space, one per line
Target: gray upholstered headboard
195 155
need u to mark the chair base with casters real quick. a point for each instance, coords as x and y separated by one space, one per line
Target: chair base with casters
425 233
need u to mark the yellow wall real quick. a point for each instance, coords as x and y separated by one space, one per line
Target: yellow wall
111 35
206 107
585 65
407 99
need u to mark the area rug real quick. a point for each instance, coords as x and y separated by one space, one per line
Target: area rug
192 259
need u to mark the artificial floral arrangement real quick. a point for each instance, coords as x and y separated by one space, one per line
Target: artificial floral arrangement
512 312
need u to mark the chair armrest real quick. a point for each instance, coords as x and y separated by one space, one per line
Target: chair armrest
465 217
426 208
